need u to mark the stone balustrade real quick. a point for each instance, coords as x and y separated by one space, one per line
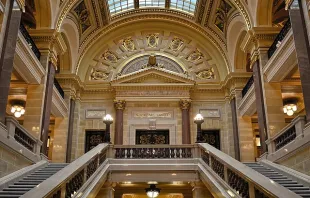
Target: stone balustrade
22 136
244 181
153 151
287 135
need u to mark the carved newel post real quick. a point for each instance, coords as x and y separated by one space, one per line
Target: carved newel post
199 120
107 120
186 135
119 107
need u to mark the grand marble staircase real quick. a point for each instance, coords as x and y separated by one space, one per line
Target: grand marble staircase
282 179
30 181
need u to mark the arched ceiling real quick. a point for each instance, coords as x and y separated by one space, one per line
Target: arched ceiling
202 29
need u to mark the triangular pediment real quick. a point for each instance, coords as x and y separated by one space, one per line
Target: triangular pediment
153 76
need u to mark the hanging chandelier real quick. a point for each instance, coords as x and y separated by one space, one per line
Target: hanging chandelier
18 108
152 191
290 107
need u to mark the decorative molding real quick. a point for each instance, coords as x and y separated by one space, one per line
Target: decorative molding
210 113
95 113
247 106
59 106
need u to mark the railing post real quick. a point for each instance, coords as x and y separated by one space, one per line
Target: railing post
251 190
300 125
271 145
63 191
225 174
196 151
37 148
11 126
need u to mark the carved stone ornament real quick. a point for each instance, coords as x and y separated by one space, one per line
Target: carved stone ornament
152 63
119 104
97 74
128 44
185 104
206 74
194 56
152 40
109 56
176 44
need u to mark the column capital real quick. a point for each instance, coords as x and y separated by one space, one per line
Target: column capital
119 104
185 104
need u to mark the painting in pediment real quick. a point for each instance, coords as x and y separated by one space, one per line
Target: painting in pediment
83 16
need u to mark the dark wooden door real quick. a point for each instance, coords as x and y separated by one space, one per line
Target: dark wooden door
212 137
93 138
152 136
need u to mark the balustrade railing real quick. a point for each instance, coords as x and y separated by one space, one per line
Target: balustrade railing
244 180
287 135
247 86
29 40
22 136
59 88
70 179
277 42
153 152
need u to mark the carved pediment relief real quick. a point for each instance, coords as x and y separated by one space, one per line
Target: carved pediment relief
152 76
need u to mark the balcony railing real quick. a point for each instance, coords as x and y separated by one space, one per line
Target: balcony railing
277 42
287 135
153 152
59 89
29 40
22 136
247 86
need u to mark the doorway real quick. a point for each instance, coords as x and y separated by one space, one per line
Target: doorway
160 136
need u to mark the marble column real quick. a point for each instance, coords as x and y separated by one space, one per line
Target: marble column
119 122
260 106
186 134
70 130
235 128
47 106
10 27
302 50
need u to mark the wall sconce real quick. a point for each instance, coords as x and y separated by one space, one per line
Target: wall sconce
18 108
290 106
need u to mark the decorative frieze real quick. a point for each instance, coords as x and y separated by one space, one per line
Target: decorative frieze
210 113
152 114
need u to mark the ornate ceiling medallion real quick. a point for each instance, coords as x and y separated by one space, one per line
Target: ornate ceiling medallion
110 56
206 74
176 44
152 40
195 56
97 74
128 44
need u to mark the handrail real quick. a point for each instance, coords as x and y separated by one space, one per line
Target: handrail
286 28
59 88
244 180
71 178
247 86
29 40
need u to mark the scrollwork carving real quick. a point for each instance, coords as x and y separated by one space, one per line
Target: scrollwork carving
97 74
128 44
176 44
119 104
185 104
194 56
109 56
152 40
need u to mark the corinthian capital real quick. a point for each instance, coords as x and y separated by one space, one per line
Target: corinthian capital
185 103
119 104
